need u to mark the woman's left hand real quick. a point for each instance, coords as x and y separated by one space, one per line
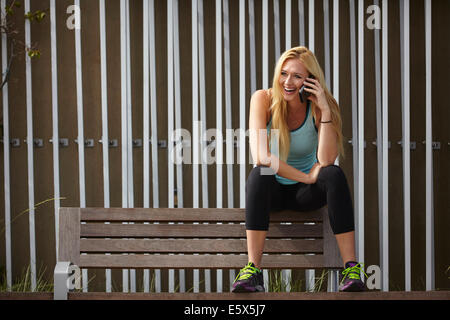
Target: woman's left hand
317 93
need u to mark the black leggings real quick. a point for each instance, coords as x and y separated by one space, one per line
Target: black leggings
265 194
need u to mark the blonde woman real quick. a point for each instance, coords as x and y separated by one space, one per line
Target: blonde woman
302 158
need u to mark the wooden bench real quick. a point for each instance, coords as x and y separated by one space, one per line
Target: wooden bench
84 238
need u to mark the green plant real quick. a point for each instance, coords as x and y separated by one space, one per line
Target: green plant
278 284
18 47
27 210
25 278
319 281
23 282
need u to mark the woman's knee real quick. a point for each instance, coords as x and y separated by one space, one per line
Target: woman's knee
261 174
332 173
259 181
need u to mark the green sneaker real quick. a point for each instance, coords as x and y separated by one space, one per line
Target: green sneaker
351 280
249 279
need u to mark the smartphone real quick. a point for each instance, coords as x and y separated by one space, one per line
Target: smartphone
305 94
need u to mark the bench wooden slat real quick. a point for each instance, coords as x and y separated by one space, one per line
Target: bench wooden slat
140 261
196 246
188 215
195 230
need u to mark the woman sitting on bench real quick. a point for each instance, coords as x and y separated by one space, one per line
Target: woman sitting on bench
296 170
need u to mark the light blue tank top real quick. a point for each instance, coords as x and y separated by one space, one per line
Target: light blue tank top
303 146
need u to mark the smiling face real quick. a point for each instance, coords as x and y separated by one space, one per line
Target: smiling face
292 75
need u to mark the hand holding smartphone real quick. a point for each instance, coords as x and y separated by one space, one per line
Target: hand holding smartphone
305 94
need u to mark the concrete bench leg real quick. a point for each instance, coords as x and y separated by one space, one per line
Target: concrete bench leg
66 278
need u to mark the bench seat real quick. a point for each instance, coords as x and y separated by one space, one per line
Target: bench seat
189 238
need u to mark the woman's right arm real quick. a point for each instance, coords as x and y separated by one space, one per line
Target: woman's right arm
259 145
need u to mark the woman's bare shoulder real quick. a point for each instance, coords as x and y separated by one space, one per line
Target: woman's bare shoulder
262 99
262 94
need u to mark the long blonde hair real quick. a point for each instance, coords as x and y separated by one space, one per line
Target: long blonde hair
279 106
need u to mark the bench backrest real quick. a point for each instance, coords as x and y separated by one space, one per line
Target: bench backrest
186 238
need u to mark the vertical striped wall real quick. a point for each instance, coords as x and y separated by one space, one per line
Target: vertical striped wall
121 84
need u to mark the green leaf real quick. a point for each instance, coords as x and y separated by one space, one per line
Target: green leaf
40 16
29 16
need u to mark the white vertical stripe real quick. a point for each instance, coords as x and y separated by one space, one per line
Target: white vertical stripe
265 44
153 104
170 112
379 138
361 26
123 104
129 132
195 119
242 110
30 152
79 84
326 31
146 121
429 221
276 29
385 145
288 24
124 133
80 138
336 56
251 39
195 104
301 22
205 197
242 104
146 104
228 122
170 101
228 115
6 159
378 142
176 55
123 87
179 166
219 121
154 126
129 112
55 135
202 87
105 136
336 50
311 25
219 138
406 143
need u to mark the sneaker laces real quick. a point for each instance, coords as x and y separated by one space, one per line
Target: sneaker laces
246 272
354 272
